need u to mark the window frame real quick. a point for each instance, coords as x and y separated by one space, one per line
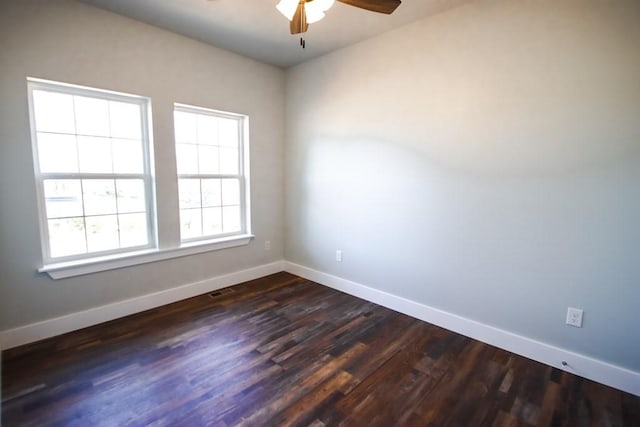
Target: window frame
147 175
242 175
161 246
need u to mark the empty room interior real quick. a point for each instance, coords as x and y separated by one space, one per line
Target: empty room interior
214 214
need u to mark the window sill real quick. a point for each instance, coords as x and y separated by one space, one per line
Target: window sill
94 265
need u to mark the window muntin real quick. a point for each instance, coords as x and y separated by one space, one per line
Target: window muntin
93 171
210 147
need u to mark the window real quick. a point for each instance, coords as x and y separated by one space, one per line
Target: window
210 149
93 171
93 164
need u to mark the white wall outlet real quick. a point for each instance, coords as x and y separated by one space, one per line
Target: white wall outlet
267 245
338 255
574 317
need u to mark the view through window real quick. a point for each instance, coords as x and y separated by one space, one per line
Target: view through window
92 170
211 179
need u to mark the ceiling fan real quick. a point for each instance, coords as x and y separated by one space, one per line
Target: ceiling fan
301 13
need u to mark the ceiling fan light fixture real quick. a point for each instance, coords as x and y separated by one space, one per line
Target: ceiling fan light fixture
314 9
301 13
288 8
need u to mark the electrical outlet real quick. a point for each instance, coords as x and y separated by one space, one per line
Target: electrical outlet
267 245
338 255
574 317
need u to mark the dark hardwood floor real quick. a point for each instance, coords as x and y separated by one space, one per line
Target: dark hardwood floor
282 350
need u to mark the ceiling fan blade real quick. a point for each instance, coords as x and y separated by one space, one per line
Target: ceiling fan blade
382 6
299 22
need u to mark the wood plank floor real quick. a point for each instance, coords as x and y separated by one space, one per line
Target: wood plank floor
280 351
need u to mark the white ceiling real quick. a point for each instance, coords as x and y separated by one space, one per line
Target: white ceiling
255 28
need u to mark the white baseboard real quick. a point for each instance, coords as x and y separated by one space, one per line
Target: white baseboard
584 366
93 316
593 369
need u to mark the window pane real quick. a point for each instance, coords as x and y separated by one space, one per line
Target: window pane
208 159
133 230
53 112
189 192
66 237
228 161
187 158
102 233
211 195
207 130
230 192
57 153
213 164
190 223
211 221
125 120
231 219
95 154
185 127
63 198
130 195
96 146
127 156
228 131
99 196
92 116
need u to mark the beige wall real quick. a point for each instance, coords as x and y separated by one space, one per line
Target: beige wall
71 42
484 161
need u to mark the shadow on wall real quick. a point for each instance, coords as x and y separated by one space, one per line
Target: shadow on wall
508 248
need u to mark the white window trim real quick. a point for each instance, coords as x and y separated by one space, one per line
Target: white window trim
148 175
111 262
103 262
242 175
